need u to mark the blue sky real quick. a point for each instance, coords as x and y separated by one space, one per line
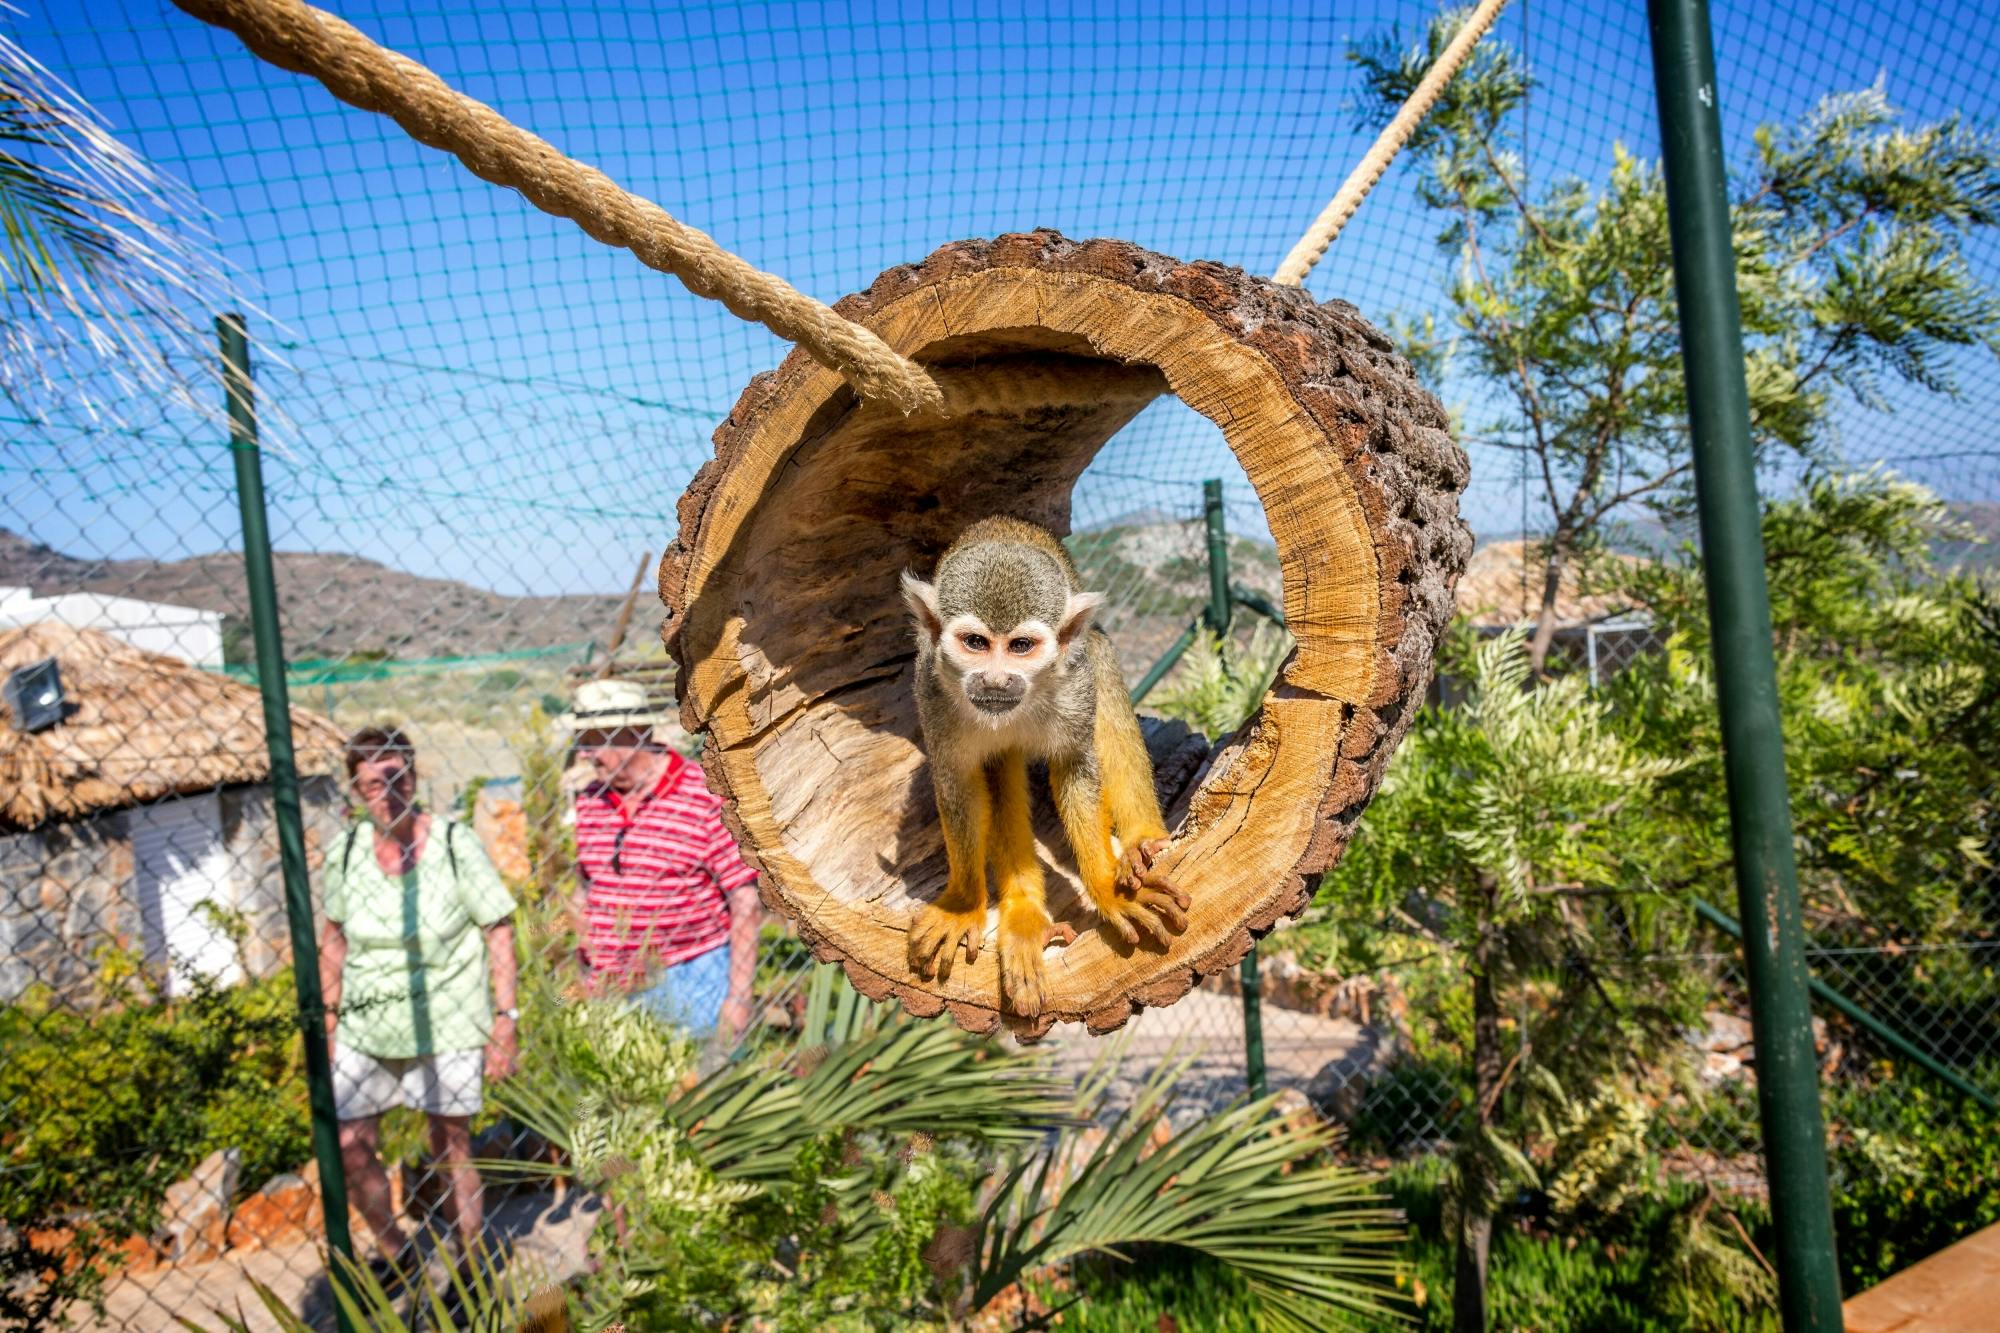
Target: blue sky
479 391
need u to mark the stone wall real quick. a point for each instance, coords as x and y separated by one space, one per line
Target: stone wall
66 889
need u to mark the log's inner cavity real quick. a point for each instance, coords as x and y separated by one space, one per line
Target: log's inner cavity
824 637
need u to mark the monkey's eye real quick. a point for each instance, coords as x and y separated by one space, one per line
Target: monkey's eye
975 643
1021 647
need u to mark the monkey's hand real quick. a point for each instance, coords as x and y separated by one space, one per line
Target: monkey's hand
1023 980
937 933
1143 899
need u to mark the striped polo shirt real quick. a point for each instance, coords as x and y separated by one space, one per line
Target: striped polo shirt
658 870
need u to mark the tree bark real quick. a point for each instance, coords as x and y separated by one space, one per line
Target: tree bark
795 651
1476 1173
1545 619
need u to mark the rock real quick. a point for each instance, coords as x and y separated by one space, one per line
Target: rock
196 1212
1720 1032
1338 1087
1295 1109
286 1211
1719 1067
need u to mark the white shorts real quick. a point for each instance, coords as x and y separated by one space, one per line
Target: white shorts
447 1083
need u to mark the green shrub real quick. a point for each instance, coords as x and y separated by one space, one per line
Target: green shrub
1925 1175
500 680
1620 1278
1160 1288
105 1109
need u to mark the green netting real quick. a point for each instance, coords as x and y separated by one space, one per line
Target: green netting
336 671
477 421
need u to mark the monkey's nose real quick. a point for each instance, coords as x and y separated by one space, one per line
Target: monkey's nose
991 693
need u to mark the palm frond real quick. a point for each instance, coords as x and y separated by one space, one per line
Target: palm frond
487 1292
106 284
745 1121
1311 1238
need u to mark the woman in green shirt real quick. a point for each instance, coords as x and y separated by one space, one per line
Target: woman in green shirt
417 926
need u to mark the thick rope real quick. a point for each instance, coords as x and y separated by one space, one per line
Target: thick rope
1313 244
300 38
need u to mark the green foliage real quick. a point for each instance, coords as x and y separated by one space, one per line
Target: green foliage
1615 1277
541 749
497 1292
106 1109
1887 671
1923 1174
503 680
1242 1186
1889 681
1850 230
1155 1285
1217 684
1513 865
874 1172
93 273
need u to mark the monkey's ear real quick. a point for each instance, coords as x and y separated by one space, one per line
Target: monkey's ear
1076 616
923 603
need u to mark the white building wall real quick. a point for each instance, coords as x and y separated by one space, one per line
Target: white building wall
176 631
180 867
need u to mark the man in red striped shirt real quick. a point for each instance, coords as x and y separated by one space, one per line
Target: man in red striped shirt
670 911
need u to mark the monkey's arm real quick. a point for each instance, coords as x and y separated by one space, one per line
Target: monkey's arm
1128 783
965 811
1128 771
1025 927
1152 906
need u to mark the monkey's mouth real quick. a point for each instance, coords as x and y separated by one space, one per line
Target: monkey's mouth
993 705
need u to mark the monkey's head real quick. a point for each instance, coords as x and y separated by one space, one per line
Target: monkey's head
1000 625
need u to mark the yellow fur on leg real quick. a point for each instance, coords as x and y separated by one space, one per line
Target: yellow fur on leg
1128 778
965 804
1025 927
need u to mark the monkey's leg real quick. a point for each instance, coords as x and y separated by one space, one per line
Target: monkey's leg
1086 817
1135 807
1025 927
965 810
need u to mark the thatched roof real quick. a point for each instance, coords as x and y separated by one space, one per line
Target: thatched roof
1502 586
141 726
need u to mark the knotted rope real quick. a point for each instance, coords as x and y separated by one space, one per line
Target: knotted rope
305 40
1362 179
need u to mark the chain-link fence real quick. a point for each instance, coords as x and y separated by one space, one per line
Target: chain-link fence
475 425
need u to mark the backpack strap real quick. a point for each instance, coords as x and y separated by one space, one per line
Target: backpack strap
450 847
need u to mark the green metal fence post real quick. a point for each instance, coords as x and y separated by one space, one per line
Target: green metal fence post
1220 608
1746 675
237 387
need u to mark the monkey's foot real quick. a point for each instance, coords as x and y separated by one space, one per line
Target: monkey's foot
1143 899
936 935
1023 979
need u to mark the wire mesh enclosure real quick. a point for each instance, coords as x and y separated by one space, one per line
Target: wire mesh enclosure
475 424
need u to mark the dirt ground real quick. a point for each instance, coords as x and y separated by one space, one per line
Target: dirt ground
1209 1027
545 1237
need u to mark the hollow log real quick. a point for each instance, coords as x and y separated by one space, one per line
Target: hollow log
795 651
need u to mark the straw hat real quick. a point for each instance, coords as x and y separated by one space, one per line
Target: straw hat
602 705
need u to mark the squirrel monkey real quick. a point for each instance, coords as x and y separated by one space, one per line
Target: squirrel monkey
1010 670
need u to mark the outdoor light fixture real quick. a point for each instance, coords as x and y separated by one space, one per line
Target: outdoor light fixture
35 696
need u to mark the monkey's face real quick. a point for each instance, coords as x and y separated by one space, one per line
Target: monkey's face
997 630
996 671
